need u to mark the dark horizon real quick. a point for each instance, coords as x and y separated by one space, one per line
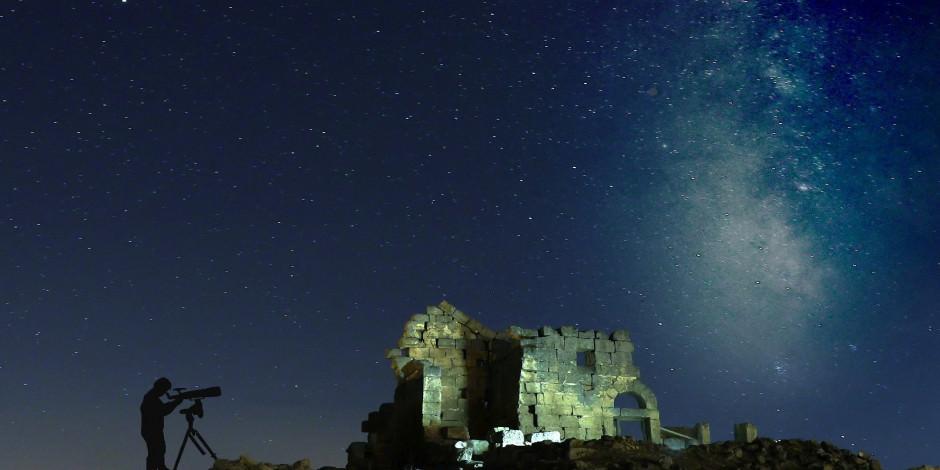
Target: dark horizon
258 196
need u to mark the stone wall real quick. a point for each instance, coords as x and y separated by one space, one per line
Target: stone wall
570 379
458 379
454 351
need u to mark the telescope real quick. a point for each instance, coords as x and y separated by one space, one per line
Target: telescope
197 394
195 411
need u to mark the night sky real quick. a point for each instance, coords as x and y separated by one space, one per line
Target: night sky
257 195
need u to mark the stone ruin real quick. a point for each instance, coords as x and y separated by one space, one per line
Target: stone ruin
459 382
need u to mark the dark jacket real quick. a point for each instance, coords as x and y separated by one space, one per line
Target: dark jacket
152 411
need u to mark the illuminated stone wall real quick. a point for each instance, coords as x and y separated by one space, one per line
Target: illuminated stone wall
458 379
570 379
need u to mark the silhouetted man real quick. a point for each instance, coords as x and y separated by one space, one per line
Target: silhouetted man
152 411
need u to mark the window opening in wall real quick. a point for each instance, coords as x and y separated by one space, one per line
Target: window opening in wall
586 359
582 359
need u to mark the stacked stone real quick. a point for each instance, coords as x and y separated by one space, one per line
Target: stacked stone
452 349
556 393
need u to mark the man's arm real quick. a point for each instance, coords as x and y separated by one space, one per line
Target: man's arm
169 407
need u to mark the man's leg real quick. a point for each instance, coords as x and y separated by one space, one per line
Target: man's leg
161 451
152 459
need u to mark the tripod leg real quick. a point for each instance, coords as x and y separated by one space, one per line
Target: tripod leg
180 454
197 434
195 442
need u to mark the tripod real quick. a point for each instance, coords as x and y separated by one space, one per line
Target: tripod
193 435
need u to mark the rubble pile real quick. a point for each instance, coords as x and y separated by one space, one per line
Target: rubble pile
606 452
769 453
619 453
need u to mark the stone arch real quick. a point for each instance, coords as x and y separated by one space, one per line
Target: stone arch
647 413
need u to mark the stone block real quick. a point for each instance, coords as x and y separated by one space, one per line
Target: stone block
544 410
562 409
464 451
550 436
567 356
529 343
745 432
568 399
547 421
593 432
526 421
446 307
410 342
504 437
453 415
527 428
479 446
431 396
527 399
623 346
585 344
460 316
533 387
620 335
393 353
587 334
621 358
449 422
548 331
449 393
569 331
433 310
463 404
604 345
418 353
572 344
703 433
456 432
572 388
431 419
546 377
445 343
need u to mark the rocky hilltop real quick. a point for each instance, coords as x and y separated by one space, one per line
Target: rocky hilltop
246 463
627 454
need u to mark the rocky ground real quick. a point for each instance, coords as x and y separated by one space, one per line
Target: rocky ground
618 453
246 463
626 454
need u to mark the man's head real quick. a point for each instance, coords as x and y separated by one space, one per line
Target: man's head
162 385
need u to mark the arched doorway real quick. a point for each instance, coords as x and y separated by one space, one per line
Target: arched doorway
627 427
636 407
